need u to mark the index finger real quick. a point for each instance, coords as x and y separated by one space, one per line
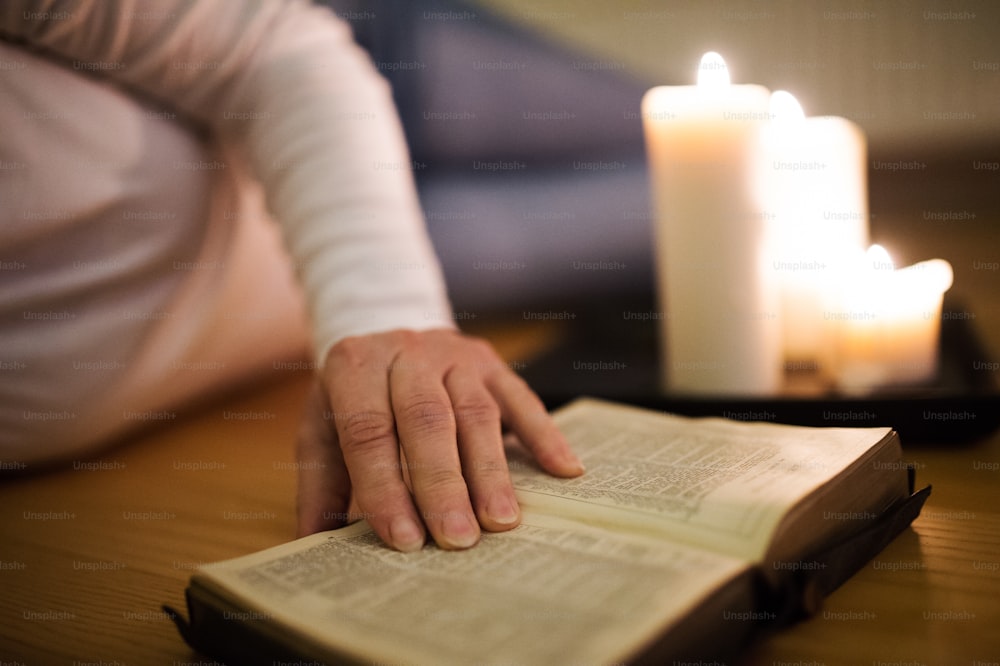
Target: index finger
525 414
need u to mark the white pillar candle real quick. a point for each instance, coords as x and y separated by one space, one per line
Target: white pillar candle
889 324
817 180
721 329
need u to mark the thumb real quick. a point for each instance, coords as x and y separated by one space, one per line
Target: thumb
324 492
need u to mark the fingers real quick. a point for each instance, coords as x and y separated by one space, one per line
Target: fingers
525 414
324 487
362 413
427 431
480 442
418 419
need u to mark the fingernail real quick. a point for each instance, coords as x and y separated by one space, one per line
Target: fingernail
406 535
459 530
502 509
575 463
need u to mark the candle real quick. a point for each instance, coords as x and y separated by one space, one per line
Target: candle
888 327
817 186
721 328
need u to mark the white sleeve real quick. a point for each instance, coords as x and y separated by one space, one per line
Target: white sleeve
284 81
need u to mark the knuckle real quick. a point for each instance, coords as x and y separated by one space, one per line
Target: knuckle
481 347
440 478
439 485
491 469
409 337
476 411
380 495
349 351
363 431
485 357
427 413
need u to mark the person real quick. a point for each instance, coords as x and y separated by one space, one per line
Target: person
146 146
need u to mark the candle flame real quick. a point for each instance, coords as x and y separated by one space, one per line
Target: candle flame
934 276
785 107
878 258
712 71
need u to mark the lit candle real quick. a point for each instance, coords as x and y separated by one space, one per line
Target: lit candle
817 186
888 327
718 293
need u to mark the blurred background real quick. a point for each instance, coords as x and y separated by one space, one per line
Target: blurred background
523 121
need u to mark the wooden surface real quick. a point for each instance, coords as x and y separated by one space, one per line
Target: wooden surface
90 552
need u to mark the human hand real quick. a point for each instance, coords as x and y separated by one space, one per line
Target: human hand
405 432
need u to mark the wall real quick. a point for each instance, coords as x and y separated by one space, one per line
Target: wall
915 75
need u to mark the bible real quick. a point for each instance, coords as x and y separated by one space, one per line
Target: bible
685 539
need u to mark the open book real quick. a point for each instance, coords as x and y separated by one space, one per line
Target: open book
684 539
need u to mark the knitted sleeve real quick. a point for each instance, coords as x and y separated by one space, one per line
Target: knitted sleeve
283 81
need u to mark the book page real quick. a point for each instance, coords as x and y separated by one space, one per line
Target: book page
550 591
711 482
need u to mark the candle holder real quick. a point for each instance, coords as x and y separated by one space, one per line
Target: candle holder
612 352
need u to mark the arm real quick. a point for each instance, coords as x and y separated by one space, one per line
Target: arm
285 82
409 396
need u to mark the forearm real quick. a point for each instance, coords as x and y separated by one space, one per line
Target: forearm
285 82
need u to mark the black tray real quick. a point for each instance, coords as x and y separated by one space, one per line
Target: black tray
609 356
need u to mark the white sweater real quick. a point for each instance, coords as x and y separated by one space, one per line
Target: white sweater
137 141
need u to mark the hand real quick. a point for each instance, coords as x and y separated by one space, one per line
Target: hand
405 432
